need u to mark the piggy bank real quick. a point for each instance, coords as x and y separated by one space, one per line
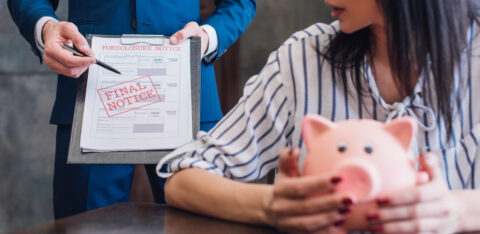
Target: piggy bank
372 158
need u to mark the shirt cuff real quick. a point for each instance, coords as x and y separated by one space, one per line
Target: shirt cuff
212 39
38 32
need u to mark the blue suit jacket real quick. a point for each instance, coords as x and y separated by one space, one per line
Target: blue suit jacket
117 17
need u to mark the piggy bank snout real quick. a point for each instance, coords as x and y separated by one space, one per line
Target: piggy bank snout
359 178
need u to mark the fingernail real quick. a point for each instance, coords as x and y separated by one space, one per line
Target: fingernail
339 223
335 180
290 152
383 201
373 217
344 210
173 40
347 201
377 228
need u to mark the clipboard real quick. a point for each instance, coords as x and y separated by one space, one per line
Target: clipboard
75 153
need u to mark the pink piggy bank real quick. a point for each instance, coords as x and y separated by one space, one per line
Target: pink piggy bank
372 158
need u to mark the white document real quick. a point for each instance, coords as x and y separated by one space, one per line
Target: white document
148 107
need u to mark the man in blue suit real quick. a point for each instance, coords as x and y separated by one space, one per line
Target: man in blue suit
78 188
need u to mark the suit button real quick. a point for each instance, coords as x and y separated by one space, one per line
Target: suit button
134 24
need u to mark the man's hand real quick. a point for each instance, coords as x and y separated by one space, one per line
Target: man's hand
60 60
192 29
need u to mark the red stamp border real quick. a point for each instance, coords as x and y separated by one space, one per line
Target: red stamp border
128 81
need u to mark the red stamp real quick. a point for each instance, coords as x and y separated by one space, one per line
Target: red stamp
128 96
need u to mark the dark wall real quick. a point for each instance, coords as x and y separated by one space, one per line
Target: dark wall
27 140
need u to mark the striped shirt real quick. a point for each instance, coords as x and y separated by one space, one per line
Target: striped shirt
297 80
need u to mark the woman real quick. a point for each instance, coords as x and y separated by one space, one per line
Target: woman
383 59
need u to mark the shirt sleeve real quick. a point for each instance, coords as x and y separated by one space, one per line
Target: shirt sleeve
245 144
212 40
38 33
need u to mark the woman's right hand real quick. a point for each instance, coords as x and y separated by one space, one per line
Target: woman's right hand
292 208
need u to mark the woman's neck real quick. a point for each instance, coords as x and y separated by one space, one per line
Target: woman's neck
381 66
379 44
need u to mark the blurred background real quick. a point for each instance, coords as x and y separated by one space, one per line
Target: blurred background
27 91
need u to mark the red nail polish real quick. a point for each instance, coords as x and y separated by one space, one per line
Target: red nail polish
344 210
373 217
339 223
347 201
377 228
335 180
382 202
290 152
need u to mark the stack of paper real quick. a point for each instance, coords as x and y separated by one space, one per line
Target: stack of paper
148 107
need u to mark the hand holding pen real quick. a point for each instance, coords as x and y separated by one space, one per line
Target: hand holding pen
60 60
98 62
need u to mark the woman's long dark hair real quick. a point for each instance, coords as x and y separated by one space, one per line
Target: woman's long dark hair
417 30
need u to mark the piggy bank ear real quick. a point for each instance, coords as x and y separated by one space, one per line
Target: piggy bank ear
314 125
403 129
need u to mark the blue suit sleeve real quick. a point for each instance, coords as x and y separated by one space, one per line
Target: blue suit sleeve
26 13
230 20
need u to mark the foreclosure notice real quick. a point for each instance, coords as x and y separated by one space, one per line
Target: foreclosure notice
148 107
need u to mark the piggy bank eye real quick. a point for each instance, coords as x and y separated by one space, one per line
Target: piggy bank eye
369 149
342 147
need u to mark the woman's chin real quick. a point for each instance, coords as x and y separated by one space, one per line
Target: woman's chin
347 28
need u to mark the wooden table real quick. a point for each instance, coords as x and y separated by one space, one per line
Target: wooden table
144 218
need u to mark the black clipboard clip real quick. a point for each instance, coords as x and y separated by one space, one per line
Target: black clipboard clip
133 39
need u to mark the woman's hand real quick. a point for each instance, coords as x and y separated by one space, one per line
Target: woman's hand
292 207
427 208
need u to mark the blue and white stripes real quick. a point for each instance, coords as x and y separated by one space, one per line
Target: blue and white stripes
297 80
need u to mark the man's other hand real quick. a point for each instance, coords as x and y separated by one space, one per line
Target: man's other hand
192 29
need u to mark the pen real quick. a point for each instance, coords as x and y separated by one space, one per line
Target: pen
98 62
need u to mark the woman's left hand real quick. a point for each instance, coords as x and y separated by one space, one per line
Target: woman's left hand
428 208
